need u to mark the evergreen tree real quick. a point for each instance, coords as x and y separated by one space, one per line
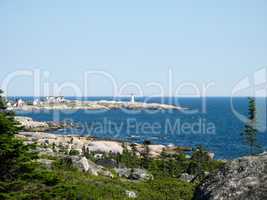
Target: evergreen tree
2 101
134 149
163 154
250 130
146 152
146 148
14 155
200 154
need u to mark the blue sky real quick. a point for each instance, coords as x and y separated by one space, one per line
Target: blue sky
134 41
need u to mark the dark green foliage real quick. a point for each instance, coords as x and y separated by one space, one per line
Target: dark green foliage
200 155
2 101
128 158
7 125
201 162
250 130
65 163
198 160
168 188
62 149
133 148
14 155
175 165
146 159
74 152
65 183
165 168
49 178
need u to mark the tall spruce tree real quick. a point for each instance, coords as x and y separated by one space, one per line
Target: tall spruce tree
250 130
2 101
14 155
146 152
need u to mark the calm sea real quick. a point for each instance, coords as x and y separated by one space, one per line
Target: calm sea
214 123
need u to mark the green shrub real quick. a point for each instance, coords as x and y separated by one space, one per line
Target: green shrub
74 152
168 188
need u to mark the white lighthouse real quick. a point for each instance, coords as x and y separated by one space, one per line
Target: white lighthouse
132 98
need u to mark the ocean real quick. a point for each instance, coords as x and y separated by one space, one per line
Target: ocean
214 122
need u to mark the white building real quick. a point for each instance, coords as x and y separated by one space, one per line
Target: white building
19 103
52 99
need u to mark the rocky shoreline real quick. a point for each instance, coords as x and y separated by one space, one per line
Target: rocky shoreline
54 143
29 125
40 133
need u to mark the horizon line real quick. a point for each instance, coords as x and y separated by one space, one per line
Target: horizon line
136 96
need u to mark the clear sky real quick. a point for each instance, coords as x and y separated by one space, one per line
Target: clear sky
134 41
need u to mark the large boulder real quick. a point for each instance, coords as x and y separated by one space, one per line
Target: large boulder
134 174
106 173
105 146
131 194
85 165
28 123
45 151
241 179
187 177
108 163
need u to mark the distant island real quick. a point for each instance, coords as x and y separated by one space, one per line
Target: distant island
60 103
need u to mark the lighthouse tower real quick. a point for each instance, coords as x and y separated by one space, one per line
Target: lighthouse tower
132 98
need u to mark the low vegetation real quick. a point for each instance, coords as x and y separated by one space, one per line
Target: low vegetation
64 183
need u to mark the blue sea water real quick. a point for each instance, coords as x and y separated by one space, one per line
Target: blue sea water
209 122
